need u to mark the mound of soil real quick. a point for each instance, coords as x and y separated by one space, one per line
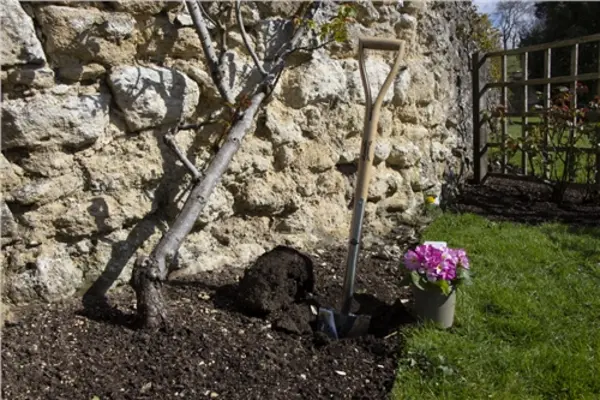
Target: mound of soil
277 279
227 339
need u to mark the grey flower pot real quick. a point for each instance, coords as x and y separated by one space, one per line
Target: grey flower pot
432 305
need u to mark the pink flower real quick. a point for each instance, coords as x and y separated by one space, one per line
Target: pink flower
412 261
461 257
448 271
436 264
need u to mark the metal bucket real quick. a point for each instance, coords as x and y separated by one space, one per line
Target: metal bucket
432 305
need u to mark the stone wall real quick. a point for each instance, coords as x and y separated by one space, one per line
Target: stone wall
89 89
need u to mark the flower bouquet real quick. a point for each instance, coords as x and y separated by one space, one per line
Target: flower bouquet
435 271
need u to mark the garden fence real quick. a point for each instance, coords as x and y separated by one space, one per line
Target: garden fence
522 84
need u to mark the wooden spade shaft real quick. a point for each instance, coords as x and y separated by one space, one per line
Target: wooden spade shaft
366 154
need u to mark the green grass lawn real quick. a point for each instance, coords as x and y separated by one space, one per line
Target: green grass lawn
528 327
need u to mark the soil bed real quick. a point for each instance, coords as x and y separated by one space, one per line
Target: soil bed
218 346
249 339
528 202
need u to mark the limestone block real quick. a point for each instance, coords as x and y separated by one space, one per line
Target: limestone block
51 119
136 7
270 195
407 21
8 225
20 45
382 150
399 202
255 155
403 155
151 97
12 176
401 87
51 275
48 163
103 213
135 164
78 73
314 157
87 35
46 190
283 124
321 81
31 76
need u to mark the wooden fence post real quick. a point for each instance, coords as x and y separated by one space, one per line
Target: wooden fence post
479 148
598 129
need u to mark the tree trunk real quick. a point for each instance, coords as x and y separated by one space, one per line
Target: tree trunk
151 306
149 272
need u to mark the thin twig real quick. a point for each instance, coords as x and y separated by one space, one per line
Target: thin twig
185 127
170 141
238 14
308 48
207 15
224 33
276 71
209 51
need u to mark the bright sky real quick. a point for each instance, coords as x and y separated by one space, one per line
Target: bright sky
485 6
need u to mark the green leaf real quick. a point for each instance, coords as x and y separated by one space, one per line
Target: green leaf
416 279
444 285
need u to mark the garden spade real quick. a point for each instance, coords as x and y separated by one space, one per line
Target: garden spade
344 323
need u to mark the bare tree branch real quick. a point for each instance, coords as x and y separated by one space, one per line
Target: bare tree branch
207 15
170 141
313 48
166 249
150 272
213 62
289 47
184 127
511 16
238 14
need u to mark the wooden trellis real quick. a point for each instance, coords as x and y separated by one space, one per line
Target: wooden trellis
481 144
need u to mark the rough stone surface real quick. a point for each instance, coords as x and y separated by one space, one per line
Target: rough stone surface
47 190
31 76
75 73
84 35
49 119
151 97
20 45
8 226
88 182
50 275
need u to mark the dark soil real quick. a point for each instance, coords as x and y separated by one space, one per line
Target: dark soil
232 337
528 202
250 334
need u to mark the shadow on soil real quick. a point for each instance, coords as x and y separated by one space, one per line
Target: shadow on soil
279 288
506 199
101 311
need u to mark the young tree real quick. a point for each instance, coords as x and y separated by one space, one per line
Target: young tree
512 17
151 270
